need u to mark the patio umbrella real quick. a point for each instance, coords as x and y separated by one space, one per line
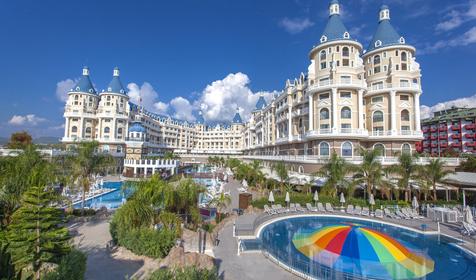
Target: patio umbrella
316 197
415 202
372 201
287 199
271 197
342 198
468 216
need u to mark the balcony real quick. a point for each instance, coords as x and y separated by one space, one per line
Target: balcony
469 135
433 129
456 136
470 144
471 126
425 129
443 128
455 145
444 145
455 127
434 137
397 86
434 145
426 145
443 137
327 84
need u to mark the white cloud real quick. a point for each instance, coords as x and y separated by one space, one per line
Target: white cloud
455 18
30 119
161 107
57 127
295 25
468 38
149 97
182 108
427 111
63 87
220 99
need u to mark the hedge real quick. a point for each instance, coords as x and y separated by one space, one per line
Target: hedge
188 273
71 267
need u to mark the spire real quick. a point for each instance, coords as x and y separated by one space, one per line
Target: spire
115 86
385 35
335 28
237 117
261 102
84 84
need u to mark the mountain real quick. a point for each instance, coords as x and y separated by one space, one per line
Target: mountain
47 140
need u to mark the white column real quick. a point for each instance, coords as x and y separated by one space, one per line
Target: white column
393 117
360 108
311 112
81 128
417 112
290 123
334 110
66 128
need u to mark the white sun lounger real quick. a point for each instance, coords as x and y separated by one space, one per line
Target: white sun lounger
320 207
389 214
329 207
379 213
310 207
365 211
299 208
350 209
358 210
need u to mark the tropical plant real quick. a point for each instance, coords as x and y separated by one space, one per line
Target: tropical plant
169 155
20 140
85 162
187 273
221 202
36 233
72 267
406 170
370 171
469 164
335 171
433 173
282 172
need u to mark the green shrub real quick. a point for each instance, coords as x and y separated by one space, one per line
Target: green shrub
146 241
87 212
189 273
71 267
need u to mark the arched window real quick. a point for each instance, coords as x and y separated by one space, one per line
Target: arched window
301 169
300 123
105 148
404 115
380 148
76 97
404 56
346 113
324 114
324 149
323 55
119 130
106 129
88 130
74 129
377 59
345 51
406 149
378 116
346 149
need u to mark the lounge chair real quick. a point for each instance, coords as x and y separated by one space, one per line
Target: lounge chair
379 213
365 211
292 207
401 215
268 210
415 214
329 207
299 208
320 207
468 229
350 209
358 210
389 214
310 207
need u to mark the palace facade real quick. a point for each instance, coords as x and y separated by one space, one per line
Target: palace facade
350 97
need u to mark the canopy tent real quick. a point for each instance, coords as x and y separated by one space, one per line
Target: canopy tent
466 181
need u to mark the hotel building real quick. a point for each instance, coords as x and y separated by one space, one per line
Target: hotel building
349 98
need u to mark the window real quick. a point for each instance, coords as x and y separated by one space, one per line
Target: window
323 39
404 97
345 94
88 130
323 96
74 129
385 68
377 99
324 114
406 149
378 43
380 148
377 64
378 129
323 55
346 35
397 67
119 130
324 126
396 53
345 113
323 65
378 116
324 149
345 52
405 128
405 115
345 79
377 59
403 56
346 149
404 66
106 129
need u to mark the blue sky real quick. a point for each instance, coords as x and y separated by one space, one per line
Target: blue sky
211 54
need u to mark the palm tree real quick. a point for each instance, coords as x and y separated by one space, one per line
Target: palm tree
282 172
85 163
407 170
370 171
335 171
221 202
434 173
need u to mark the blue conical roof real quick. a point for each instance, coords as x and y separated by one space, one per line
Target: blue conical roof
84 84
115 86
335 29
237 118
261 103
386 35
200 119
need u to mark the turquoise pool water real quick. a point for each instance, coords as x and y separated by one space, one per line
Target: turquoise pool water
340 248
111 200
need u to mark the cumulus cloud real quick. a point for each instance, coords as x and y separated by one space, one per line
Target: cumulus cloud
455 18
295 25
57 127
149 97
467 38
427 111
30 119
182 108
220 99
161 107
63 87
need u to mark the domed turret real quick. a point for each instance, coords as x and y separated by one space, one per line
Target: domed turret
84 84
115 86
335 28
237 117
385 35
261 103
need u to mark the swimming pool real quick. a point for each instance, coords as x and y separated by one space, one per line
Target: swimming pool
111 200
341 248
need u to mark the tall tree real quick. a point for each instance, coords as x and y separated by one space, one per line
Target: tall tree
406 170
36 233
370 171
20 140
221 202
86 162
282 172
335 171
434 173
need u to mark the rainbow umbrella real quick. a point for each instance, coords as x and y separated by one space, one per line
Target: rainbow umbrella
363 251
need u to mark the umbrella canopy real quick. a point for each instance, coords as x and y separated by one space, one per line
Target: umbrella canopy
244 183
316 196
371 199
342 198
351 248
468 216
415 202
287 199
271 197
